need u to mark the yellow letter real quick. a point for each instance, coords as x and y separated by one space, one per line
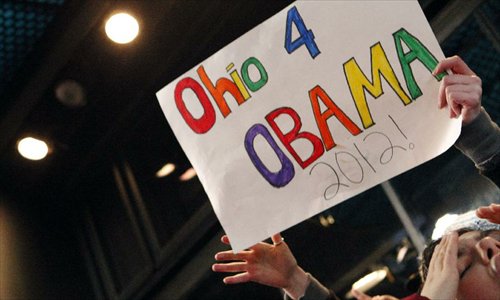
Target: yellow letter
358 82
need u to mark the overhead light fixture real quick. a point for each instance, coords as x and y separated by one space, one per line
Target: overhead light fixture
189 174
166 170
402 253
122 28
326 220
70 93
369 281
32 148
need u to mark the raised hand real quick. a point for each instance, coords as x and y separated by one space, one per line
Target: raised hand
443 275
490 213
269 264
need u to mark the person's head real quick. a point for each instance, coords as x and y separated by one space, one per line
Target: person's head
478 263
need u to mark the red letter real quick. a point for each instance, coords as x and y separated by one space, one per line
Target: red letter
333 110
294 134
207 120
223 85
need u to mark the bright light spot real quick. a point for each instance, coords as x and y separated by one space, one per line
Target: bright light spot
402 253
165 170
370 280
32 148
442 224
122 28
327 220
190 173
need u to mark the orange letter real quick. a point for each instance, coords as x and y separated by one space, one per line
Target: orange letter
223 85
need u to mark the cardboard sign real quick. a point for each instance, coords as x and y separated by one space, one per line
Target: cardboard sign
322 101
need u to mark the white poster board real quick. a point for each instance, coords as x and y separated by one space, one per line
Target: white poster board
321 102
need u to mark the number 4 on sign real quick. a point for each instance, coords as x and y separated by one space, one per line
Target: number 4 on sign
306 36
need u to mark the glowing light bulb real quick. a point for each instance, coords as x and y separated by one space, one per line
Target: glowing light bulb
189 174
122 28
370 280
165 170
32 148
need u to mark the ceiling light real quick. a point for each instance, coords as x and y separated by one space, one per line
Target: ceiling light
165 170
326 220
32 148
369 281
402 253
190 173
70 93
122 28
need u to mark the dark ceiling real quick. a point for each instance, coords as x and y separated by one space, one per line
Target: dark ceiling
121 130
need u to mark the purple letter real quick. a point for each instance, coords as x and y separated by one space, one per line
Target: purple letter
283 176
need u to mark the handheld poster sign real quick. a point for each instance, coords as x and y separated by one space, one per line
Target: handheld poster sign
322 101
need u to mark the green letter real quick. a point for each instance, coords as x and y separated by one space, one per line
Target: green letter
417 51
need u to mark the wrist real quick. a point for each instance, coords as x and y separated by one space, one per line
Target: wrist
297 284
479 140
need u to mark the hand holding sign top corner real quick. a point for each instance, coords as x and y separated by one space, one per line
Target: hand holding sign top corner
461 91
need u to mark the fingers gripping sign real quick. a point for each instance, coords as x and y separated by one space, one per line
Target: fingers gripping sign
460 91
455 64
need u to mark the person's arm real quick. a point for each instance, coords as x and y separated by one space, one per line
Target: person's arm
480 141
461 93
315 291
273 265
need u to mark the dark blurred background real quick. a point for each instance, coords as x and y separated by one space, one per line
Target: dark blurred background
93 220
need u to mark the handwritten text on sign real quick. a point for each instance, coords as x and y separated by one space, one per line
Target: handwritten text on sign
317 104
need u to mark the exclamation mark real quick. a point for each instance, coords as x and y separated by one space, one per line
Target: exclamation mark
411 145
